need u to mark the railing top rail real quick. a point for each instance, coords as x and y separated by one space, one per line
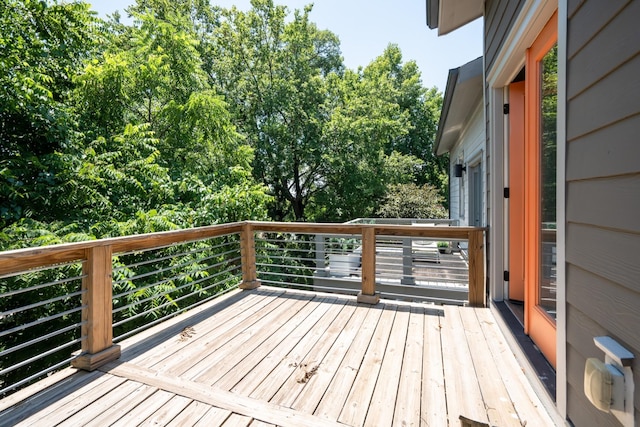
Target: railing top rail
403 221
27 258
413 230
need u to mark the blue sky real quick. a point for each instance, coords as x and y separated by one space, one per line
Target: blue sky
366 27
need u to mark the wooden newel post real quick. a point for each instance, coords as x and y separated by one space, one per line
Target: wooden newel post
368 291
248 253
477 282
97 314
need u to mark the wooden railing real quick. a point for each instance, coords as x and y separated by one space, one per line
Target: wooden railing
96 256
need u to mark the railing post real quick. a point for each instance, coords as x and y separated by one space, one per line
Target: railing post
97 312
368 291
477 282
407 262
248 253
320 256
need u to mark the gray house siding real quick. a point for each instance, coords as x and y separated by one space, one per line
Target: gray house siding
499 18
602 191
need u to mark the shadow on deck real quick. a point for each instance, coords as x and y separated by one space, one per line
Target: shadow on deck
272 356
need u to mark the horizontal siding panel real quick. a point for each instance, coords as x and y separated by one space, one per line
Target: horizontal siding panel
600 298
614 98
611 255
610 151
581 412
608 202
580 332
589 19
614 45
573 7
500 27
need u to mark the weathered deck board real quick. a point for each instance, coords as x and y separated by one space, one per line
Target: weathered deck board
270 368
338 390
433 400
355 408
499 408
521 394
245 360
407 408
380 412
462 389
190 415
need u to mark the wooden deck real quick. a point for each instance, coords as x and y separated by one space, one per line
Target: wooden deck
270 357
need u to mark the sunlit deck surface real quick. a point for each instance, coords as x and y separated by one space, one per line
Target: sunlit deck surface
294 358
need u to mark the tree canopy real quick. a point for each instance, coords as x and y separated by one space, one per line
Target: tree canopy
195 114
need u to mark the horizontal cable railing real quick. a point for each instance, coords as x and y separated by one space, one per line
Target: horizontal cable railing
417 269
49 296
152 285
70 303
40 325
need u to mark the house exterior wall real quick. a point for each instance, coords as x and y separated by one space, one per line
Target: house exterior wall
499 19
602 191
469 151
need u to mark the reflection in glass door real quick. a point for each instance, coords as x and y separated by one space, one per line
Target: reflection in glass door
549 106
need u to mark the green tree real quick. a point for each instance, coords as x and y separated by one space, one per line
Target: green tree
43 47
421 107
272 73
412 201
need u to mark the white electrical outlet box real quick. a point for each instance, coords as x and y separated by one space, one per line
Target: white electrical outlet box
609 385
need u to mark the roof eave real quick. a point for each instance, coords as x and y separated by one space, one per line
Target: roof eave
449 15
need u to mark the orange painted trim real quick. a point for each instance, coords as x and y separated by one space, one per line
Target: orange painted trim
517 190
540 327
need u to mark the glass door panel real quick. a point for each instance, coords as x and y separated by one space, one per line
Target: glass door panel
549 107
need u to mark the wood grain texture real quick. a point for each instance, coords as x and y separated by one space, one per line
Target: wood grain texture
396 363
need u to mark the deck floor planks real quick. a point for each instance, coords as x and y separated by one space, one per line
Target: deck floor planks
144 342
357 402
74 402
275 389
99 406
116 412
213 417
282 357
338 390
145 409
206 369
433 400
380 413
216 397
461 385
391 364
276 346
204 346
262 342
236 420
43 403
500 410
167 412
265 387
407 406
190 415
323 359
527 405
229 316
